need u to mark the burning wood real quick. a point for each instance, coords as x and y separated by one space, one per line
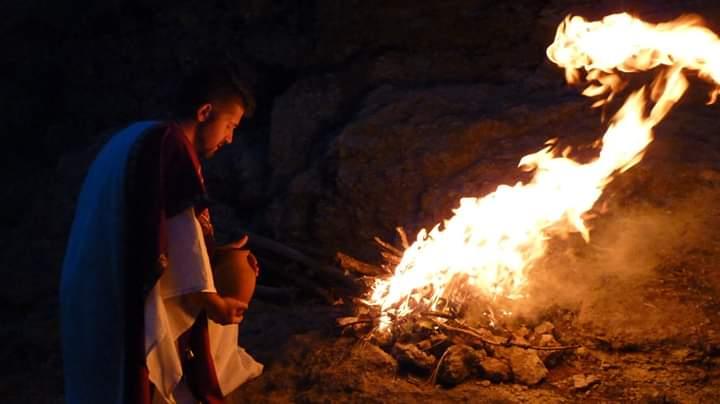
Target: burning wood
481 257
485 252
352 264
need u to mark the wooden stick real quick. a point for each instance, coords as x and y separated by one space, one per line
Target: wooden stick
433 378
291 274
524 346
348 262
362 321
291 253
275 294
403 237
545 348
388 246
468 333
391 259
307 284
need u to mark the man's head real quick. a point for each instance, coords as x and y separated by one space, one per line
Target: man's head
211 104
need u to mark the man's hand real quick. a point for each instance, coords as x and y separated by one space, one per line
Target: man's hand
227 311
222 310
235 245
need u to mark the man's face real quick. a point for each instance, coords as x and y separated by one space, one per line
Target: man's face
216 130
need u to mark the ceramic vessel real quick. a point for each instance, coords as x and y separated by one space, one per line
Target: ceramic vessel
234 275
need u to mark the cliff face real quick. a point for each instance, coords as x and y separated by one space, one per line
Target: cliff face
372 114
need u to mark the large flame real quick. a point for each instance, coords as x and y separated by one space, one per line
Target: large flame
492 242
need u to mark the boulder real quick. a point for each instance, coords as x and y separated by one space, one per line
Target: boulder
495 370
411 355
458 363
527 368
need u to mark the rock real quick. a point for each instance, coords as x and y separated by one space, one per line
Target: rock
424 345
410 330
439 343
438 339
495 370
547 340
585 354
526 365
545 328
411 355
382 338
549 358
457 365
581 382
489 336
521 332
520 340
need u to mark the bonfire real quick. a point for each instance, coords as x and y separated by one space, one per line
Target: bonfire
480 259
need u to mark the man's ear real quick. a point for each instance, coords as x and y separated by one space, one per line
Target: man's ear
203 113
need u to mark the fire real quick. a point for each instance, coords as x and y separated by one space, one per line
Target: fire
492 242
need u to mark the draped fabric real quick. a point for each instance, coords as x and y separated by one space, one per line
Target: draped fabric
117 250
92 286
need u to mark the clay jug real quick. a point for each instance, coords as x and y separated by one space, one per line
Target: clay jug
234 275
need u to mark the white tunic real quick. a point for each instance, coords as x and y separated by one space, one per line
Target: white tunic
167 316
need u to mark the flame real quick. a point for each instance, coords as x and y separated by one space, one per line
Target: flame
492 242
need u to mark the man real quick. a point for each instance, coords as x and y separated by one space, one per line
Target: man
141 318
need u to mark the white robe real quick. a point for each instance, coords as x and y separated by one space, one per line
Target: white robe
166 317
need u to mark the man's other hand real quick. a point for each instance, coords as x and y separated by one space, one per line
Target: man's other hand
222 310
227 311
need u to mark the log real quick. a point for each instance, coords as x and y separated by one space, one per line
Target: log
291 274
290 253
353 264
275 294
391 259
403 237
307 284
394 250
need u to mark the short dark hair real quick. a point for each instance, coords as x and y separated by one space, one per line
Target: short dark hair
208 83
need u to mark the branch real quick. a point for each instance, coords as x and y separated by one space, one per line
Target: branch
348 262
290 274
472 333
293 254
388 246
433 378
275 294
403 237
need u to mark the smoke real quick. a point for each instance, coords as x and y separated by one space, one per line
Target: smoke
631 245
